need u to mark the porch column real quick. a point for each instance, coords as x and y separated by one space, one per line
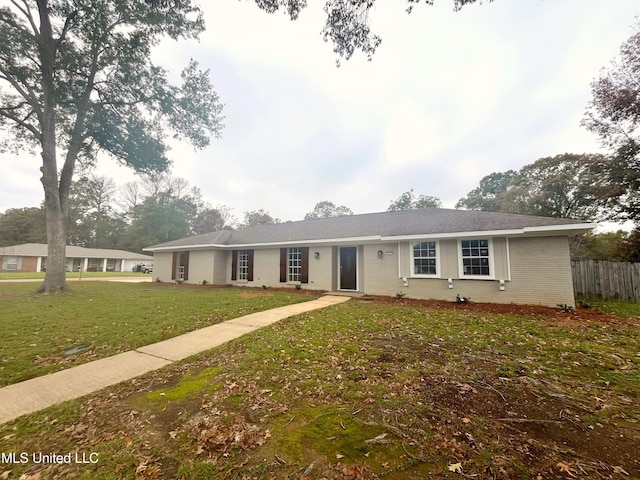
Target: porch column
39 264
85 265
104 265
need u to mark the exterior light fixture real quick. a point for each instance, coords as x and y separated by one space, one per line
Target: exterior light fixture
380 253
316 255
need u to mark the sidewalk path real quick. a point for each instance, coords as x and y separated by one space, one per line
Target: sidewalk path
41 392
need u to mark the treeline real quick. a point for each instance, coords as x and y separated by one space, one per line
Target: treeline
156 209
586 187
160 208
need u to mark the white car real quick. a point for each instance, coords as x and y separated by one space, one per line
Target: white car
145 267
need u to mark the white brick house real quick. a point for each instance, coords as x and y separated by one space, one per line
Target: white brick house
427 253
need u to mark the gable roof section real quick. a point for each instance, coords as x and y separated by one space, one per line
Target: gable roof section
40 250
426 222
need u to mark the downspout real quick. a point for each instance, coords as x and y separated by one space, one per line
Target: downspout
508 260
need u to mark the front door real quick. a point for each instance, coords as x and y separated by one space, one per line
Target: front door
348 268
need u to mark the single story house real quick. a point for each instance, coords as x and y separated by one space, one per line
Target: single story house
32 257
429 253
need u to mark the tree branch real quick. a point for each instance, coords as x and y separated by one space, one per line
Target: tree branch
65 29
26 11
22 123
77 138
25 92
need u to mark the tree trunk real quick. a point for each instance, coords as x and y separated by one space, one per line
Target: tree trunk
55 277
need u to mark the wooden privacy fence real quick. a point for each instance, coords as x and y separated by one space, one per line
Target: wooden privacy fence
619 280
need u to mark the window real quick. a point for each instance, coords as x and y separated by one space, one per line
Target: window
476 260
10 263
243 264
294 265
425 258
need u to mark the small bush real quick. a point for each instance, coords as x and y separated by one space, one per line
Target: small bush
565 307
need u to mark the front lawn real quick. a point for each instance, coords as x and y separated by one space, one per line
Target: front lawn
105 318
369 390
70 275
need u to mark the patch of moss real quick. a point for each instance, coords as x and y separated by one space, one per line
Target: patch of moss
331 431
234 400
190 385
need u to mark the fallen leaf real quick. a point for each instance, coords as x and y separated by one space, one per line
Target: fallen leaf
378 440
464 388
5 475
619 469
339 456
466 420
564 468
384 464
173 434
455 467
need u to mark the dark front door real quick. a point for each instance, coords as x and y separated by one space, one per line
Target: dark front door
348 268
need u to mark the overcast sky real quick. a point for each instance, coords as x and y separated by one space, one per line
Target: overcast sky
448 98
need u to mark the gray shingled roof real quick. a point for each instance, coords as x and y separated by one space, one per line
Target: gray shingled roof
40 250
426 221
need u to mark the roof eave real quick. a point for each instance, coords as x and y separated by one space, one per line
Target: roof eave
283 243
565 229
570 229
174 248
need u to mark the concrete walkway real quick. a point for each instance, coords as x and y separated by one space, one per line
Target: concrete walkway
41 392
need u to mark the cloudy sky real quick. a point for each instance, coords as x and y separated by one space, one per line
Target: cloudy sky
448 98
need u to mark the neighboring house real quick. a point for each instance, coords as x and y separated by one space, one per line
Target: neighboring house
428 253
32 257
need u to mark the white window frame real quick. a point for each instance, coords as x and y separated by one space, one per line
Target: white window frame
294 265
413 258
491 257
243 265
9 261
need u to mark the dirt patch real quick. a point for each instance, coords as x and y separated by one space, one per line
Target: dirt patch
553 316
553 424
254 294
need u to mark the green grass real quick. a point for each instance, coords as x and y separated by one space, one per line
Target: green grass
617 307
371 390
40 275
109 318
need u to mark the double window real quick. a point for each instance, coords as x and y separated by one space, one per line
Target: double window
475 259
425 259
10 263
